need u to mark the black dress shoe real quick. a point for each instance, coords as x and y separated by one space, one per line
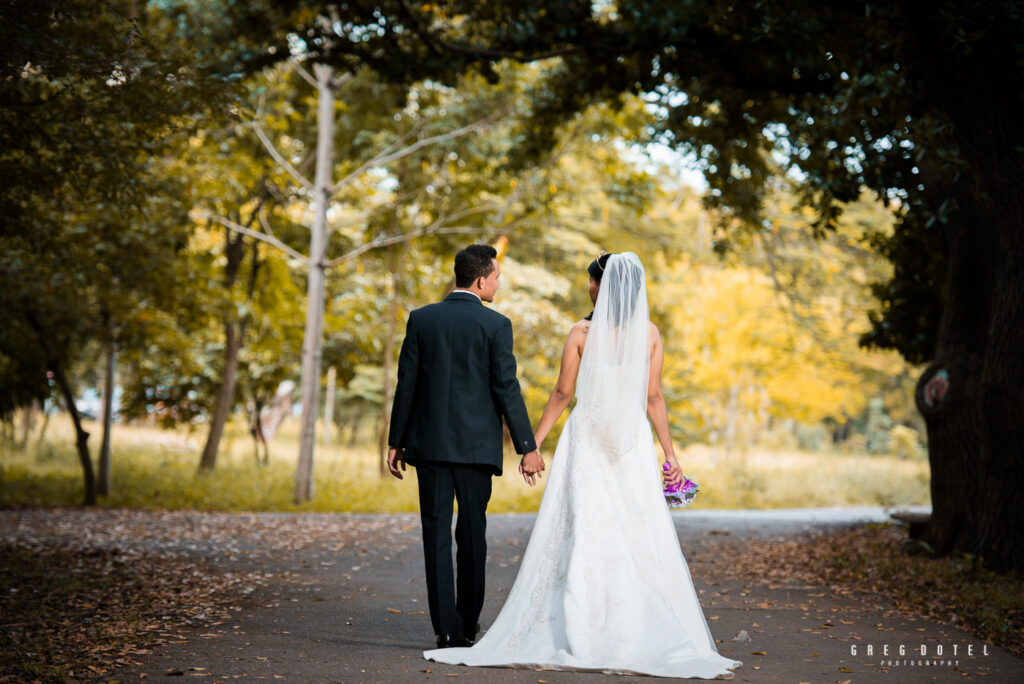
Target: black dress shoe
453 641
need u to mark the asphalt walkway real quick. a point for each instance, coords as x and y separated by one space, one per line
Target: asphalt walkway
356 612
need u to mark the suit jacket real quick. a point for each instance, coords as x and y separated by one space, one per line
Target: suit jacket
456 381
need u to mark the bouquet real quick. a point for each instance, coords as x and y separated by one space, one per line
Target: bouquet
679 495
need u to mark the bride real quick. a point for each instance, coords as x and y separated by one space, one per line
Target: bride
603 584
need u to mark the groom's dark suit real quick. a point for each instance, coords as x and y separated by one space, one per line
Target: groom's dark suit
456 381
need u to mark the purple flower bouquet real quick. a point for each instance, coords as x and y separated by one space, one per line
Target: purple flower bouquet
679 495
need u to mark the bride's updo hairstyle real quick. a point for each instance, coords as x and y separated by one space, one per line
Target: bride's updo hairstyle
623 278
597 266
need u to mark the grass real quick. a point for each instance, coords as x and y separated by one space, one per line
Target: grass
153 468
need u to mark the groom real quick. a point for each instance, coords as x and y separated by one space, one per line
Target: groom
456 381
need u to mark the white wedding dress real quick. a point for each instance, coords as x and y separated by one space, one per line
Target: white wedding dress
603 584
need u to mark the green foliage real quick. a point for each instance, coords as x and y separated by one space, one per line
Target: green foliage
93 223
840 95
136 228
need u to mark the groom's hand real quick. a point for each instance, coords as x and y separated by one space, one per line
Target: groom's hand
531 467
396 456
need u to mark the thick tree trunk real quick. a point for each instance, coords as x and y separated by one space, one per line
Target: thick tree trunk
972 396
81 436
312 344
103 484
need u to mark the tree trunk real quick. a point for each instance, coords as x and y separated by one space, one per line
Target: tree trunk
103 483
81 436
43 427
280 408
28 421
972 395
313 338
353 436
234 332
234 338
226 394
332 384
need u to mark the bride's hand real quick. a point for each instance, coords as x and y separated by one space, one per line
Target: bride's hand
531 466
674 475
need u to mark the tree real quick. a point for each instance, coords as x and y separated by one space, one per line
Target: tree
362 165
917 101
768 334
89 99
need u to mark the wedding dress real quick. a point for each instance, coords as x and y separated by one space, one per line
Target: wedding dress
603 584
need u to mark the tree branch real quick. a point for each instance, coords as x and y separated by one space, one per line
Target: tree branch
385 157
306 76
270 239
279 158
432 229
405 237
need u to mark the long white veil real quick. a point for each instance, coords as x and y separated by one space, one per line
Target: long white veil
611 387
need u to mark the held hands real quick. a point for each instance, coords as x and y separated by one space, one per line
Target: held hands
674 475
396 457
531 467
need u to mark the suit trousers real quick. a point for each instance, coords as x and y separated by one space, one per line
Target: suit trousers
455 604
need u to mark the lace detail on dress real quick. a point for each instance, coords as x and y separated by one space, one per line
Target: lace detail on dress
553 563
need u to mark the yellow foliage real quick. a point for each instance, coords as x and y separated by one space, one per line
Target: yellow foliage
737 353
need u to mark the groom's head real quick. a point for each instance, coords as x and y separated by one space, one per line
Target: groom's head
477 270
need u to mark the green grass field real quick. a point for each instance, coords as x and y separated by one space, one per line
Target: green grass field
153 468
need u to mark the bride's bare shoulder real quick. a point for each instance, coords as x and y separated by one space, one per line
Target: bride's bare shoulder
655 336
578 333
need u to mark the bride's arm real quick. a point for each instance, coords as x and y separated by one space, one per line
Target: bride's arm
566 385
656 409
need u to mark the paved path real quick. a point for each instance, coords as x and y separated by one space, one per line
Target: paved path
359 614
